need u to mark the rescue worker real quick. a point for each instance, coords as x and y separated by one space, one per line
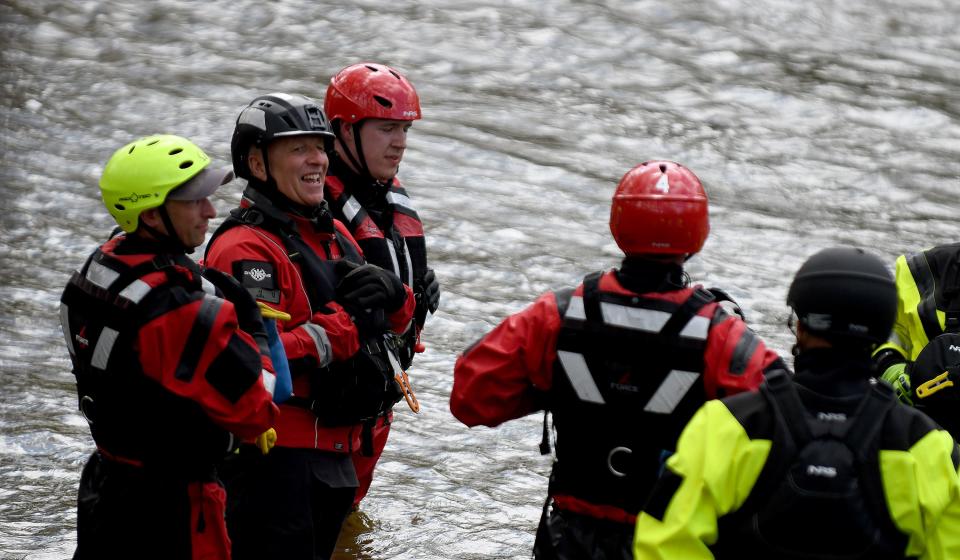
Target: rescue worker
621 362
283 245
371 108
169 374
820 465
928 305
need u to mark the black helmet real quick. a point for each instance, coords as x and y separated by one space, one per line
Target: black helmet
846 295
273 116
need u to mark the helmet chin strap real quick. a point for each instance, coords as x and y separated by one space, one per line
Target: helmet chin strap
169 240
360 161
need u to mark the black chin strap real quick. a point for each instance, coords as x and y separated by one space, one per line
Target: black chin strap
169 239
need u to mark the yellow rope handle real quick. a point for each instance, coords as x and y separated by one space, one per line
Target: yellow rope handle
937 383
270 313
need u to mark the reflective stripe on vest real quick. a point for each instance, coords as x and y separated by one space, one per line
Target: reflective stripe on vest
676 384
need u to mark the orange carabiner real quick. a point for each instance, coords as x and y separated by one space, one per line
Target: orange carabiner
407 391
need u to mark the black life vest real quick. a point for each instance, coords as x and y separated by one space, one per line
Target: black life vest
345 392
397 243
132 418
936 273
820 493
628 378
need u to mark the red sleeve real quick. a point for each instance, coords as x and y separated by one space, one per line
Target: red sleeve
735 359
198 352
400 319
338 328
502 375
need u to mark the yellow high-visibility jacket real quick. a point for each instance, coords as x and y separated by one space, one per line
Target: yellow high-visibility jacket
718 462
921 278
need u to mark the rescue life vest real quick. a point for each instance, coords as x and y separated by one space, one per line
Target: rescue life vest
626 381
820 493
345 392
132 418
399 247
937 276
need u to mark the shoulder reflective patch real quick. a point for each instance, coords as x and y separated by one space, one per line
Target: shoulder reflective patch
697 327
100 275
746 347
65 327
269 381
671 392
259 278
101 354
321 341
400 200
575 309
579 375
136 291
649 320
207 286
351 208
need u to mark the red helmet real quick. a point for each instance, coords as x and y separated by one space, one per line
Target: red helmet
660 207
369 90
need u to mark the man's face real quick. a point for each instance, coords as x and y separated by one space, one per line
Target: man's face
383 141
190 218
299 166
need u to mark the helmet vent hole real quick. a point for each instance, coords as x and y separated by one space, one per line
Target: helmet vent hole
120 207
152 143
383 101
186 164
395 75
132 148
289 121
175 151
373 69
663 168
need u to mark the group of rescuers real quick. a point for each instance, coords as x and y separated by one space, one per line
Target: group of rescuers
239 405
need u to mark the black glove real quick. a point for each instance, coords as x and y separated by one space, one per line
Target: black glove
368 286
431 290
727 304
248 313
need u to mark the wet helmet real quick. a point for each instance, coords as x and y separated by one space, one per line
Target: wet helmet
271 116
141 175
368 90
846 295
659 207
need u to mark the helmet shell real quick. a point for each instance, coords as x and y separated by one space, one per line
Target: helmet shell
272 116
845 294
660 207
140 175
369 90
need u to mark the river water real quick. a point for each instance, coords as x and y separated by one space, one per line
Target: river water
811 123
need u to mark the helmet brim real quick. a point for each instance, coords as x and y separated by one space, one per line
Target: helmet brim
202 184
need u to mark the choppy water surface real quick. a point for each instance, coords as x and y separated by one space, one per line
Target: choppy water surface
812 123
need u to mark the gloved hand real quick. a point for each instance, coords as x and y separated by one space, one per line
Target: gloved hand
431 290
898 378
727 304
266 441
248 313
368 286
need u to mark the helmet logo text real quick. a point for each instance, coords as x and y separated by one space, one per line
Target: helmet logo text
663 185
134 197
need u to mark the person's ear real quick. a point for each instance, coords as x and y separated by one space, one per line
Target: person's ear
152 218
255 163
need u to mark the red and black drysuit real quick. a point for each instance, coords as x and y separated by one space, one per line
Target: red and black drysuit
384 223
167 381
622 362
293 501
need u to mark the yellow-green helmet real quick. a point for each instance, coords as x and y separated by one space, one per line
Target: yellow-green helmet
140 175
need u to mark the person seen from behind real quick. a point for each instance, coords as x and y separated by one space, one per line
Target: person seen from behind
621 361
823 464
